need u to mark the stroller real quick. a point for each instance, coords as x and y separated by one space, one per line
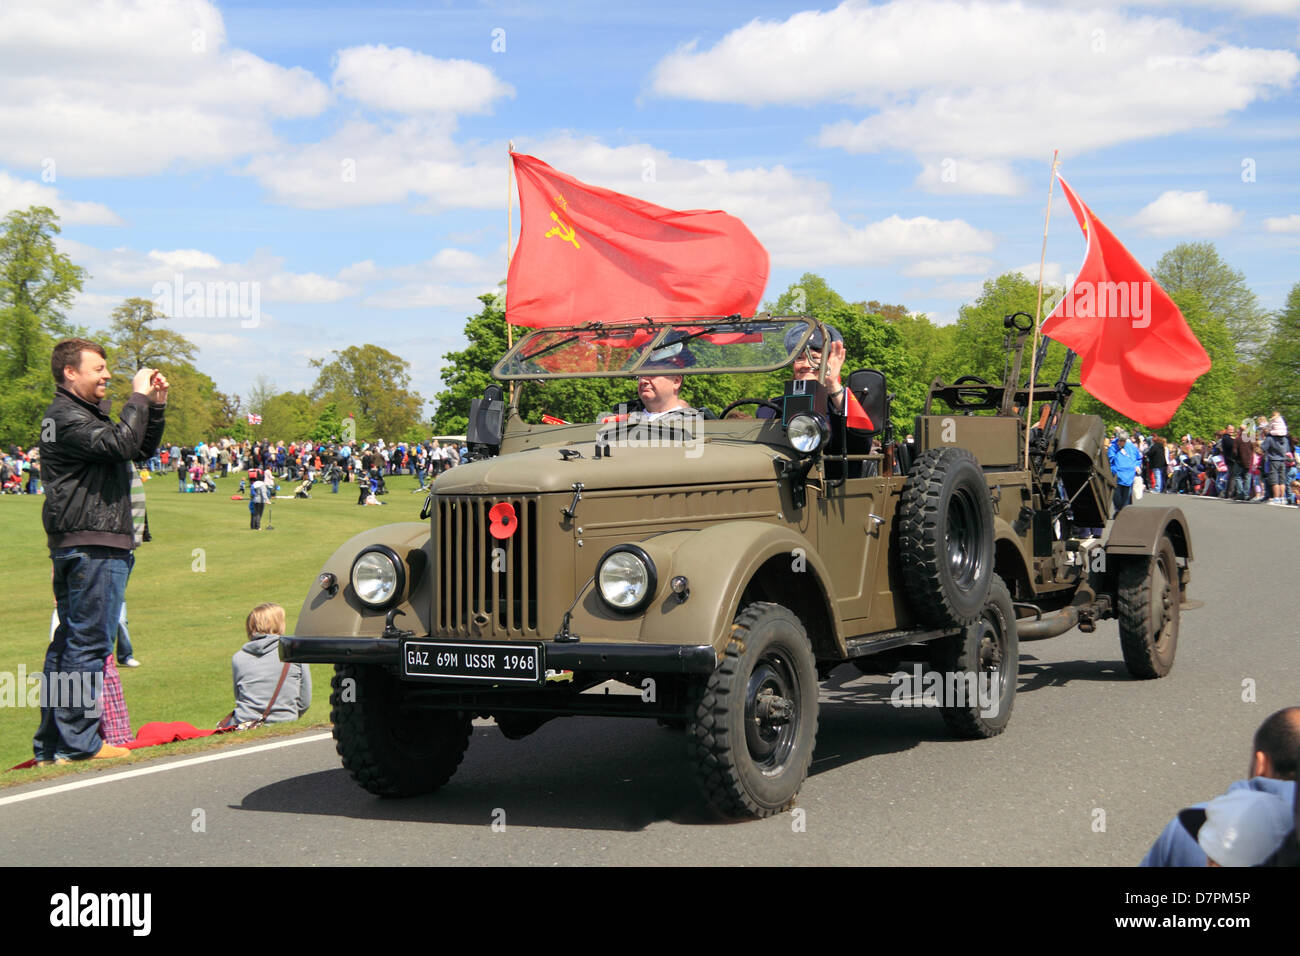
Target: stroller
304 489
206 484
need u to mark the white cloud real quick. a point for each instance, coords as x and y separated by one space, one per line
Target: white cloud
365 164
1283 223
978 81
404 81
949 266
1052 273
426 295
20 193
447 264
1186 215
958 290
122 272
133 87
952 175
304 287
185 259
793 216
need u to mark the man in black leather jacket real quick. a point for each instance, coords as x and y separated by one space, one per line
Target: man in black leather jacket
85 459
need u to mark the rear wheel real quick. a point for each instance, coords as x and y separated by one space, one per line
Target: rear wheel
981 668
1149 599
390 750
753 725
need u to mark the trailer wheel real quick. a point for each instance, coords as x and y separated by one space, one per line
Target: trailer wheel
1149 599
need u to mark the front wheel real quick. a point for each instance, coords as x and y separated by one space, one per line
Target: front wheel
1149 601
753 723
390 750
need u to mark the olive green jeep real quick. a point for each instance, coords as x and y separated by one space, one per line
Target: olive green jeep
720 567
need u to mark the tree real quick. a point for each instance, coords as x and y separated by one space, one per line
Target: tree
36 284
374 385
329 424
288 416
809 295
1280 364
138 344
1196 267
192 404
976 346
890 313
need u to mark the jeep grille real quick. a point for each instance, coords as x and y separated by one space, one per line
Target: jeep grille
486 587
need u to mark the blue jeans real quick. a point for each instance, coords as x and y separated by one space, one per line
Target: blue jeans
124 649
89 588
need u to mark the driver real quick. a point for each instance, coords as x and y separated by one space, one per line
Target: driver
659 394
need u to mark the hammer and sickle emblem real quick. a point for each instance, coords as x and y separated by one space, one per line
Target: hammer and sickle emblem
563 230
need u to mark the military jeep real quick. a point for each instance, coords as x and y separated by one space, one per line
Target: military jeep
717 568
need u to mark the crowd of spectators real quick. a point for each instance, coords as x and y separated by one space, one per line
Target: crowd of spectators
1255 461
333 461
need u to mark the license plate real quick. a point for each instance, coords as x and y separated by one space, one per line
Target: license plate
461 663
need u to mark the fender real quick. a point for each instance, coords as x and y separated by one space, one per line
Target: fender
1136 532
1006 541
343 615
715 586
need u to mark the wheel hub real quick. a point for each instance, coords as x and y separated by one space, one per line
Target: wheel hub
771 713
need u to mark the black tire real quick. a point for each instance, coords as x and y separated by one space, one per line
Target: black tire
1149 600
945 538
389 752
753 723
989 649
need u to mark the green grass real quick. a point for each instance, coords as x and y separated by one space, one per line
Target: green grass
185 622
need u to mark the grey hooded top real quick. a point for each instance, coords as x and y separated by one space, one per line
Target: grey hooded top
256 670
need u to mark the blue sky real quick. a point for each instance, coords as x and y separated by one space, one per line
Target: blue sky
347 162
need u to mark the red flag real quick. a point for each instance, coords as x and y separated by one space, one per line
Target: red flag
587 253
1136 352
855 415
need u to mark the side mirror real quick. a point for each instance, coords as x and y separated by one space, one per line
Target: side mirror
868 385
486 418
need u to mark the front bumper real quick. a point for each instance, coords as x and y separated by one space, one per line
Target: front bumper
578 656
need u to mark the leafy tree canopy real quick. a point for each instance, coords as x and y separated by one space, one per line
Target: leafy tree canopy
372 384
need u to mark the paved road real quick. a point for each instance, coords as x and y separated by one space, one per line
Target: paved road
1091 767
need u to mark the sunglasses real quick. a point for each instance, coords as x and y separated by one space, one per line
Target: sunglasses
812 358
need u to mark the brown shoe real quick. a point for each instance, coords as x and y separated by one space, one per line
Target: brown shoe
56 762
109 752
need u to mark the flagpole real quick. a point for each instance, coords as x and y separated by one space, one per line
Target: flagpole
510 231
1038 307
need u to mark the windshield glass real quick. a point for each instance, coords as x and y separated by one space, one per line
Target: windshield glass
664 346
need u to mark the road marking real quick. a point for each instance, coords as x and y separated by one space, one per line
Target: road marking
144 771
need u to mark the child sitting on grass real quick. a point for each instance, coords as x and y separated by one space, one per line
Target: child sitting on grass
266 689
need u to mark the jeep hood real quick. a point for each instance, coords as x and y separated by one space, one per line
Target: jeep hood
540 470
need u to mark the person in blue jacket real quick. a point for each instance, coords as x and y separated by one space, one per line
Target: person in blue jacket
1273 766
1125 460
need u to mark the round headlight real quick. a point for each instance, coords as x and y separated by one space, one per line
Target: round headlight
806 433
376 576
626 578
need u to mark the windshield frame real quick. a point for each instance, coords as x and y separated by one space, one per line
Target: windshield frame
530 346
